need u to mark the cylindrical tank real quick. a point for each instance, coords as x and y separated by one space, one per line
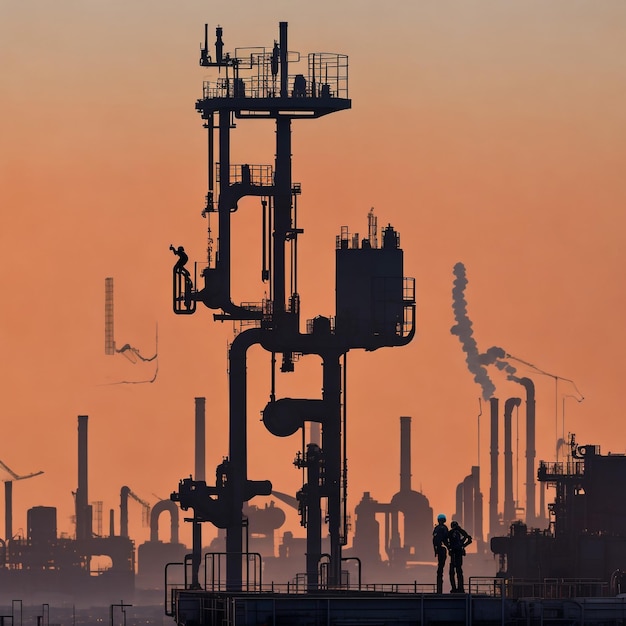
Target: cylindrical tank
42 525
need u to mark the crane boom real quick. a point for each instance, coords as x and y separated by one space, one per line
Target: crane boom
15 476
146 507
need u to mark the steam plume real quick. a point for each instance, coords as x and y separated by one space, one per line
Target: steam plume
476 361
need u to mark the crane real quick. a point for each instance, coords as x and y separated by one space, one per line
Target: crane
146 507
8 496
110 347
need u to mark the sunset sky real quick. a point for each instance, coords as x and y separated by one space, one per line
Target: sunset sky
488 133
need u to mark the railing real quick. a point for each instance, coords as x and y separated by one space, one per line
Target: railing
548 588
262 88
215 571
571 469
477 586
262 175
326 79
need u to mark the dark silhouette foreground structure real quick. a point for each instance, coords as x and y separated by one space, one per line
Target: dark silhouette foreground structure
375 308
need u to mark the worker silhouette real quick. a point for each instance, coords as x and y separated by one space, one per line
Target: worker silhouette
441 546
458 540
182 260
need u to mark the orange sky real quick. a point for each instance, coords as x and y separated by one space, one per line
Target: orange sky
488 133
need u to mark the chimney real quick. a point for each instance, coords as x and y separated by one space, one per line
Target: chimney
530 451
494 525
478 507
200 463
8 509
83 510
124 493
405 454
509 503
469 504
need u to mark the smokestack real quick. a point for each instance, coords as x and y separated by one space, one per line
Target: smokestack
478 507
111 523
530 450
83 510
405 454
509 503
200 463
124 493
493 489
8 509
468 504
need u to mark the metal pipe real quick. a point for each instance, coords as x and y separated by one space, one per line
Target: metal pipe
493 488
83 513
238 450
530 450
509 503
8 509
124 493
405 454
478 507
200 448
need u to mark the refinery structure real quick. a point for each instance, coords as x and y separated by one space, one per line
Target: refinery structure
531 561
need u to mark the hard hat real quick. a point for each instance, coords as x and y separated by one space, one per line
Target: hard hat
454 524
441 517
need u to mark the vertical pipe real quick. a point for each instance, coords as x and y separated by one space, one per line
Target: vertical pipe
8 509
282 183
284 69
238 452
222 259
211 149
530 451
200 475
282 212
124 492
111 523
314 515
200 451
468 504
331 448
458 509
509 503
405 454
83 521
493 488
478 507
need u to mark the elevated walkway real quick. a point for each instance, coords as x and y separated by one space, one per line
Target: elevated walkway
486 604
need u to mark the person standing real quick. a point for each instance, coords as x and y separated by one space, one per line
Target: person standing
441 547
458 540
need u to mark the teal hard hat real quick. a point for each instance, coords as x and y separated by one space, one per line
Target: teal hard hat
441 517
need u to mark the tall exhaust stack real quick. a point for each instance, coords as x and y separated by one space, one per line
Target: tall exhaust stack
199 475
478 508
509 503
8 510
83 510
200 462
530 451
405 454
493 488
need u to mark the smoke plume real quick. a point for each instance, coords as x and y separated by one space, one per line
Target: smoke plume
476 361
